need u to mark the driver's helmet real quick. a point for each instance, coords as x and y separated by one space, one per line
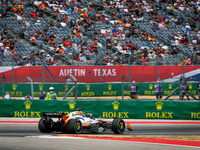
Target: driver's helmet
79 113
90 116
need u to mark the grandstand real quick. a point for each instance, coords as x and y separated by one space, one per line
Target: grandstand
94 32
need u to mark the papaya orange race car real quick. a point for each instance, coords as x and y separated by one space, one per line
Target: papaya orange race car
77 122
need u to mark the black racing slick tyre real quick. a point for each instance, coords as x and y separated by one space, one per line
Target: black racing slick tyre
43 127
118 126
74 126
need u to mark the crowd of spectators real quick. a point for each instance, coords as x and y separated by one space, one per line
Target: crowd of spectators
8 42
135 12
119 26
58 48
8 46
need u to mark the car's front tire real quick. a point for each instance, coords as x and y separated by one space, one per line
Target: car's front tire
118 126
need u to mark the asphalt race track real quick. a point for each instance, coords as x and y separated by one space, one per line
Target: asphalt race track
27 136
21 130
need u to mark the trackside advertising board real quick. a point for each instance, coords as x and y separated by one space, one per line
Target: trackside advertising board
104 109
94 90
91 74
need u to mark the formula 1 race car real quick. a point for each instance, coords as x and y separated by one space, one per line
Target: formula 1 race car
77 122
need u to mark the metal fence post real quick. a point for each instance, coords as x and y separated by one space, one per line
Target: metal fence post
50 74
72 64
182 80
43 71
100 71
129 68
73 88
3 85
157 68
75 81
76 90
13 72
32 91
183 70
180 88
66 83
123 86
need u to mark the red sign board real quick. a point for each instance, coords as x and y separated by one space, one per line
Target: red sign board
91 74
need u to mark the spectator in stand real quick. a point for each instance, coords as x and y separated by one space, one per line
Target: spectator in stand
185 39
76 57
12 50
7 51
63 24
2 48
19 16
175 51
22 34
161 25
82 57
37 3
37 21
33 40
110 63
165 47
108 43
18 60
55 13
33 14
69 57
114 30
79 34
32 59
48 59
189 62
15 9
26 22
152 55
155 28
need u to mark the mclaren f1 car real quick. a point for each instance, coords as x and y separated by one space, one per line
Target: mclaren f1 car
76 122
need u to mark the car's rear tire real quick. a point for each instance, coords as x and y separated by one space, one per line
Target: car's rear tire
74 126
43 127
118 126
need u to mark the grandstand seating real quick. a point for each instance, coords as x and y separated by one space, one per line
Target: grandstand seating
125 46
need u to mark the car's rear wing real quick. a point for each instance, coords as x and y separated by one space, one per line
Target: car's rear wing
53 115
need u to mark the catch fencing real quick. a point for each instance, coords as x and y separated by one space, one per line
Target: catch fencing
98 90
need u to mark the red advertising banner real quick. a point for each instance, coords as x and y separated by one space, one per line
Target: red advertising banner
91 74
